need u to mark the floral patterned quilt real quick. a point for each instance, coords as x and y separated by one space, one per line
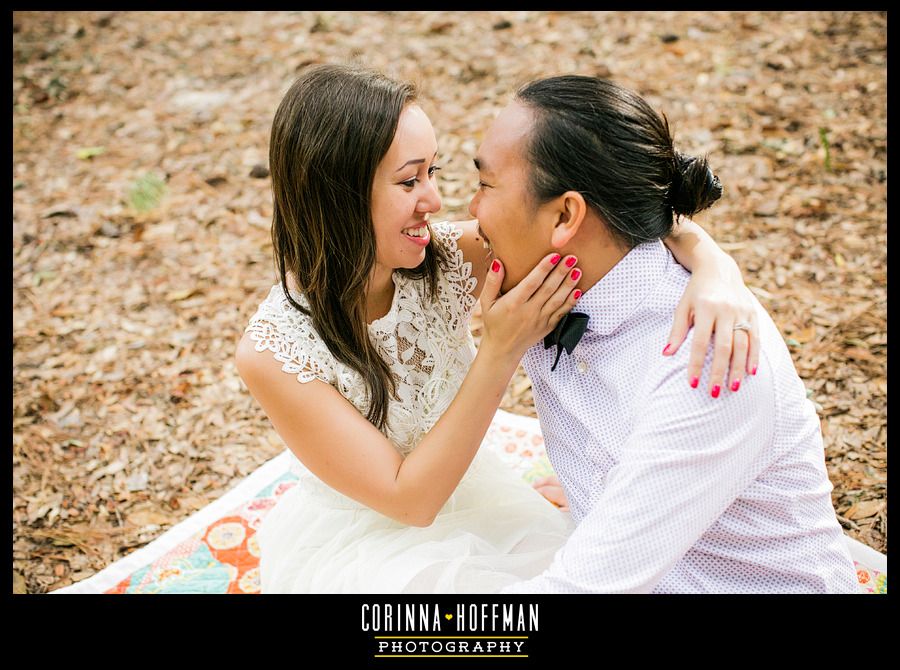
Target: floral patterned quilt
215 550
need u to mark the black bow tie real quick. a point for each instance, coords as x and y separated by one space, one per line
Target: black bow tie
566 335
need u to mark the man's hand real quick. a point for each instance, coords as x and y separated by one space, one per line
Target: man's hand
552 490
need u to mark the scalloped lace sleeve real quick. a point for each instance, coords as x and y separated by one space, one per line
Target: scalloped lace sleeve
280 328
457 283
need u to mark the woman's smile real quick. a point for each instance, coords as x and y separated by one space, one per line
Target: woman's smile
486 242
418 234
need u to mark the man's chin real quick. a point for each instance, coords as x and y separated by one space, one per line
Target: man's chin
506 287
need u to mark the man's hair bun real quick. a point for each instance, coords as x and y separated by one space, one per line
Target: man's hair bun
694 186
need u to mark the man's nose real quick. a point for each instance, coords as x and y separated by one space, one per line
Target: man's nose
473 207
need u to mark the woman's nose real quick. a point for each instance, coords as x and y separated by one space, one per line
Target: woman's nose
431 202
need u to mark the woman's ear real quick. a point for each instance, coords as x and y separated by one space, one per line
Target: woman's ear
569 212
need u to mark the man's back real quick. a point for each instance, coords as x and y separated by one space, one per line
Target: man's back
675 491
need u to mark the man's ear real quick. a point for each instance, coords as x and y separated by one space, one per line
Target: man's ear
569 212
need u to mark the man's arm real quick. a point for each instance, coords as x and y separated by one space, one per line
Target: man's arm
687 460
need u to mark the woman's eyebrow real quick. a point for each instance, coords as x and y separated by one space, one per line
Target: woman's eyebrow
414 161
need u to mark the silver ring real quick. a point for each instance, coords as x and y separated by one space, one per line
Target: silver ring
742 325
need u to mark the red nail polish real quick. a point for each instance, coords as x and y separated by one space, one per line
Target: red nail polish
666 349
736 384
715 391
555 259
694 382
576 274
572 260
577 294
495 266
753 372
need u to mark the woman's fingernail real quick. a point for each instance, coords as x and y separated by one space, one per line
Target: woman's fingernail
495 266
577 294
555 259
735 385
715 391
576 274
694 382
571 261
753 372
666 349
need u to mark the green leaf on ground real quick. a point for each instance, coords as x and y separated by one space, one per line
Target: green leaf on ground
147 192
89 152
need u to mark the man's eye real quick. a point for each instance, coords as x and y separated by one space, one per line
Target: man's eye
432 170
482 185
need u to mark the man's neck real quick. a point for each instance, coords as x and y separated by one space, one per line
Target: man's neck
597 255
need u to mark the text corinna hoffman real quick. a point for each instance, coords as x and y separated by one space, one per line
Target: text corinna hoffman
463 617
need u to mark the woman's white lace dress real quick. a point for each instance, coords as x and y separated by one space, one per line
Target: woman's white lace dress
494 530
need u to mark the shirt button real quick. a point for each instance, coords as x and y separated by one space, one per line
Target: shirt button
582 367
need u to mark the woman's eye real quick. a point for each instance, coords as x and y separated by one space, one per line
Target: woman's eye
482 185
410 183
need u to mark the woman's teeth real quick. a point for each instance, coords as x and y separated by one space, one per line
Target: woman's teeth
416 232
486 243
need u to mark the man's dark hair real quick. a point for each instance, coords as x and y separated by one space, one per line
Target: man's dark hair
606 142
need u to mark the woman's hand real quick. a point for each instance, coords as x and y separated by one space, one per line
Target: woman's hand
716 301
531 309
551 488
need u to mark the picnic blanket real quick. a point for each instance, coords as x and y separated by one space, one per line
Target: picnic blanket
215 549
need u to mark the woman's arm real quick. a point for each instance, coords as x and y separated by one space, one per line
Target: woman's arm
344 450
331 438
714 301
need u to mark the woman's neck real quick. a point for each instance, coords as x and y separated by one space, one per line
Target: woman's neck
379 293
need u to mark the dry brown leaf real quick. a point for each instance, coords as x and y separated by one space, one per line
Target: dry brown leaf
182 294
805 335
148 517
859 354
864 509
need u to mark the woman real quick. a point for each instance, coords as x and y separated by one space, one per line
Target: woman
372 317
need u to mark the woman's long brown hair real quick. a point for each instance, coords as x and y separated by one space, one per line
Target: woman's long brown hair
329 133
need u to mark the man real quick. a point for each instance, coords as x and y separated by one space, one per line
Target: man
672 490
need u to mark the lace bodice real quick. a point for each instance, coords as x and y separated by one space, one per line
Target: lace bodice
427 344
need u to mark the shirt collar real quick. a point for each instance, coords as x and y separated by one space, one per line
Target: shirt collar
610 301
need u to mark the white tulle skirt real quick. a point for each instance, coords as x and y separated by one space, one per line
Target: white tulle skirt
493 531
